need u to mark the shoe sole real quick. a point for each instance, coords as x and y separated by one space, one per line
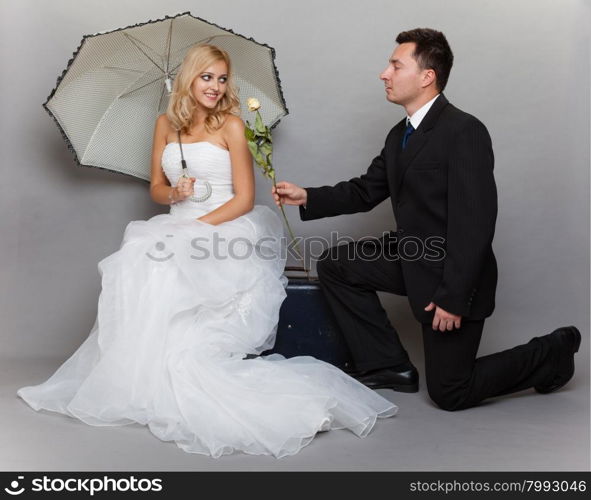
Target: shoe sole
397 388
578 337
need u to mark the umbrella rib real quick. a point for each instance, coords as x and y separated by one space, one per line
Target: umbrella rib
209 38
169 43
132 40
139 88
111 106
124 69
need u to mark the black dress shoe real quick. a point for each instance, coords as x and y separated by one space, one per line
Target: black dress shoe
565 342
401 379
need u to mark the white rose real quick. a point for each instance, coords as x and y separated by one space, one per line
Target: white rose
253 104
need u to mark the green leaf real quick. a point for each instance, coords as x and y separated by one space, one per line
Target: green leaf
259 125
266 148
249 133
260 159
257 155
252 147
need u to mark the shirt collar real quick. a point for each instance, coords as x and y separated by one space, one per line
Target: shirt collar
420 113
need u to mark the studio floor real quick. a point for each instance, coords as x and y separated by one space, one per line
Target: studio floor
524 432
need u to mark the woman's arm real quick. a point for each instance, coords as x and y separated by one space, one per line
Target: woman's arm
242 175
160 189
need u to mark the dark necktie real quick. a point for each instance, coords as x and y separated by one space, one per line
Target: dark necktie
407 133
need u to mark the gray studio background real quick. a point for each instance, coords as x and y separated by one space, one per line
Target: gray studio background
522 67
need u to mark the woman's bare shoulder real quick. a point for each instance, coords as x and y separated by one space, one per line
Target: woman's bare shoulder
233 125
164 127
163 121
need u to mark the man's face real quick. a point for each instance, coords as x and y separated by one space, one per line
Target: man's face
402 77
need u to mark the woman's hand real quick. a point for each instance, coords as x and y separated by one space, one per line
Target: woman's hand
184 188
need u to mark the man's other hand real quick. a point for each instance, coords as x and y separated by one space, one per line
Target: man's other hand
443 320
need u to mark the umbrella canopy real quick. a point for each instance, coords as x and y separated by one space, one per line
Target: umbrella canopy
117 82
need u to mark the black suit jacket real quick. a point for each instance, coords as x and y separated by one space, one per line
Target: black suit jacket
444 198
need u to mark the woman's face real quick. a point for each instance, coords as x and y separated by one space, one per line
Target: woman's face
210 85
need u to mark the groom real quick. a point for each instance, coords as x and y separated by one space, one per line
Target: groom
437 169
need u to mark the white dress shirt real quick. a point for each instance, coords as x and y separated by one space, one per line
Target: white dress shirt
419 114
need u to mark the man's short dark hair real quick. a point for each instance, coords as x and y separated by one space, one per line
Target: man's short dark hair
431 52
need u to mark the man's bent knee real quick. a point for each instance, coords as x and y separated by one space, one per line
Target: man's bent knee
450 399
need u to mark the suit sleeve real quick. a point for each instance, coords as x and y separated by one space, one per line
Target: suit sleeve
359 194
471 217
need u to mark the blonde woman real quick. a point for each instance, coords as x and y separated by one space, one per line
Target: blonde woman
190 293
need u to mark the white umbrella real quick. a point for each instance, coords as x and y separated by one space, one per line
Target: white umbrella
107 99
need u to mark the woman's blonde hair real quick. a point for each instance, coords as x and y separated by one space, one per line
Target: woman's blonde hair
181 104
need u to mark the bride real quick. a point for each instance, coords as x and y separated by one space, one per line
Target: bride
190 293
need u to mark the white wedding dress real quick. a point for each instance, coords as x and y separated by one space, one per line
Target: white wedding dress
182 304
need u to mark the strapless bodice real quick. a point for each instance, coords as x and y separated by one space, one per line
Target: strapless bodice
206 162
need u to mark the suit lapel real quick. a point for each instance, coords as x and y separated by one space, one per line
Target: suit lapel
396 145
417 140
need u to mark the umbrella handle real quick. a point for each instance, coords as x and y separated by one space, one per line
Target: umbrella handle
196 199
203 197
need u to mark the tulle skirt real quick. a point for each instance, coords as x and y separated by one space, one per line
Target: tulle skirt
182 304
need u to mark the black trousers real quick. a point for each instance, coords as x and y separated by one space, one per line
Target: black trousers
456 378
